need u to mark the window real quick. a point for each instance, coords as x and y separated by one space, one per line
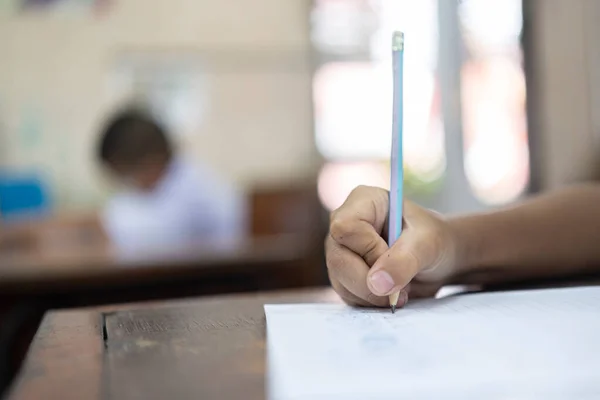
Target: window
353 97
353 94
493 99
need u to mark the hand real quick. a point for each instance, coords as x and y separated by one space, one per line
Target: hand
364 271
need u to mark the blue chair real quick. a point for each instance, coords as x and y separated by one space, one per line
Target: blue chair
22 196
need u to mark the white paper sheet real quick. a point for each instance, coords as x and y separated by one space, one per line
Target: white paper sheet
542 344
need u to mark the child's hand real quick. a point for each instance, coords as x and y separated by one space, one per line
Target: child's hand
364 271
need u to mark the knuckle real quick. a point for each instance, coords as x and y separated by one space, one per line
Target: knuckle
339 228
371 253
365 206
361 189
364 194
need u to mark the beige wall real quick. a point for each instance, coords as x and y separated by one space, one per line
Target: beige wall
259 127
567 75
255 54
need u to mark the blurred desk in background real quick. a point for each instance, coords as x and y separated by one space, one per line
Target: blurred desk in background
284 250
88 275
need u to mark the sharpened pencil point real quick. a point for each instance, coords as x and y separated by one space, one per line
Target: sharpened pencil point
394 301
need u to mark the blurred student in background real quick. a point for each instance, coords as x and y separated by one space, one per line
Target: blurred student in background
164 198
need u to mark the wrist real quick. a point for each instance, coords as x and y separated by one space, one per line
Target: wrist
468 244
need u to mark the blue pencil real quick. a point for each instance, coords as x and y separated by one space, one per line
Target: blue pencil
397 167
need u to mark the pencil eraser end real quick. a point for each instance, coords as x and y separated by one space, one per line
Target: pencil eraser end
398 40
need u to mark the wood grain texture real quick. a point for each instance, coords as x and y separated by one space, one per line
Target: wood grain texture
64 360
212 348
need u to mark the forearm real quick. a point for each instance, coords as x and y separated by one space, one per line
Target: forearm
556 234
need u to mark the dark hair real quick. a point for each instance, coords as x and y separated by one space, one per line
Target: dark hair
130 136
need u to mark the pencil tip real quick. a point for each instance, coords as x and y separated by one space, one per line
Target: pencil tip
393 309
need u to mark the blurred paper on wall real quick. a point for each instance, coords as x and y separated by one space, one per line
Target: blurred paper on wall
61 6
172 86
9 6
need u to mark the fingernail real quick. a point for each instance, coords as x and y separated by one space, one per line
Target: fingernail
382 282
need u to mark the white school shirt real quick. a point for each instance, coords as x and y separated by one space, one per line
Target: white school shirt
187 204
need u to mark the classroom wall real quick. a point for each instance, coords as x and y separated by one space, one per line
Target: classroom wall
54 91
566 66
255 56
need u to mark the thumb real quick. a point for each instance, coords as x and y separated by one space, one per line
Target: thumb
413 252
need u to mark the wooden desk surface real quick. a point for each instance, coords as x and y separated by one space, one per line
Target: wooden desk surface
204 348
197 349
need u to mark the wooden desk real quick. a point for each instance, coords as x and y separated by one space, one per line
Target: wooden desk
213 348
210 348
257 263
30 284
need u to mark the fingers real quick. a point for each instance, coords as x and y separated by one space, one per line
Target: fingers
346 295
355 244
358 223
413 252
360 237
352 300
366 203
349 271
